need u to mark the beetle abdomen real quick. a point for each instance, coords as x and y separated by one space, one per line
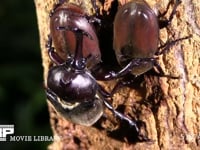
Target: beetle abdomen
136 33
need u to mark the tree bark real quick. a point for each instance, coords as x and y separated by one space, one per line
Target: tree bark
170 108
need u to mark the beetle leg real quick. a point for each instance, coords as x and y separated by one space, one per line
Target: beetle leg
56 6
53 99
103 92
161 73
96 8
123 82
166 22
160 15
52 54
118 114
121 116
126 70
93 18
51 96
166 46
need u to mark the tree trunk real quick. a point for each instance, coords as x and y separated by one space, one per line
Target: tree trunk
169 108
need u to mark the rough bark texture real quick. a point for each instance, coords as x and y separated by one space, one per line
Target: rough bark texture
170 108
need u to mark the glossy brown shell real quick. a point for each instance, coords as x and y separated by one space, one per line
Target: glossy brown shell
64 41
136 34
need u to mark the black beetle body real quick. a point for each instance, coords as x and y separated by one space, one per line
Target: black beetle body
71 88
85 113
136 34
65 41
73 94
79 85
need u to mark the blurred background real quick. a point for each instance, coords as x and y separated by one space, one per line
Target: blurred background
22 98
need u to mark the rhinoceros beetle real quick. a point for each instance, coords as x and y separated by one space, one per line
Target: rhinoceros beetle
71 88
